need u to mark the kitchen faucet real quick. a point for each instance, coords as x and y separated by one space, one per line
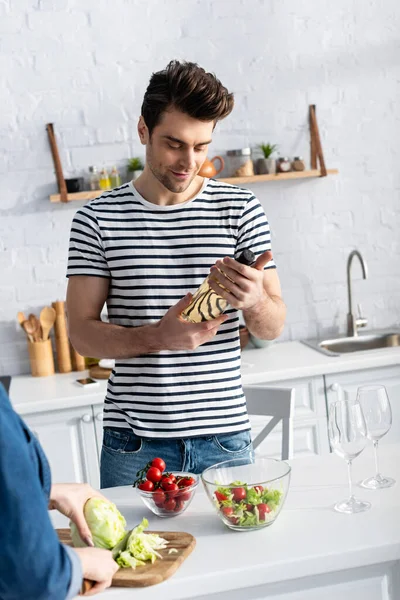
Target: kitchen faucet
354 323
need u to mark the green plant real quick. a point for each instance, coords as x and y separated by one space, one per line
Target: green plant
268 149
135 164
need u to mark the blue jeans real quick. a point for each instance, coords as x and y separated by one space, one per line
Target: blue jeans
124 453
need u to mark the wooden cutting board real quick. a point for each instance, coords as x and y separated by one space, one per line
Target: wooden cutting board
152 573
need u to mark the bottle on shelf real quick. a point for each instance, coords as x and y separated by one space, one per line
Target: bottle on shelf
207 304
115 177
104 180
94 183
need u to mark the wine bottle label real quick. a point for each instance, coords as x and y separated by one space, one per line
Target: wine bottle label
207 304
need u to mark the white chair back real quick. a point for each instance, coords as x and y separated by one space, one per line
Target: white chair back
277 403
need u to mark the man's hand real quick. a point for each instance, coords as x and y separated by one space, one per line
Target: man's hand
242 286
97 565
176 334
70 499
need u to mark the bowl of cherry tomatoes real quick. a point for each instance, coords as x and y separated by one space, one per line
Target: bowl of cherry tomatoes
166 494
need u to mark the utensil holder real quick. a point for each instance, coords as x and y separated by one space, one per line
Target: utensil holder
78 361
41 358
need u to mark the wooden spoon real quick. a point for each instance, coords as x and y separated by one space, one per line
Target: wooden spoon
21 317
36 330
47 318
29 329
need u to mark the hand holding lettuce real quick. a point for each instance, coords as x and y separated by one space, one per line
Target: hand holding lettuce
107 527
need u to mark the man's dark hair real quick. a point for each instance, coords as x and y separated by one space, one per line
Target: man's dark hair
186 87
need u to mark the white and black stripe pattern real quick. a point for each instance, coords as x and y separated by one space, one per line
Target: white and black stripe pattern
153 255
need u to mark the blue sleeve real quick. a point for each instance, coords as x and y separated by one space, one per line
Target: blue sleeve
77 576
33 562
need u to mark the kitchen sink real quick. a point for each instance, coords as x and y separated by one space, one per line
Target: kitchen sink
344 345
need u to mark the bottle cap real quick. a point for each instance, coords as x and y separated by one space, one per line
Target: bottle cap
247 257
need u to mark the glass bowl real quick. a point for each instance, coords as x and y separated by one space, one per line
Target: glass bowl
170 504
247 495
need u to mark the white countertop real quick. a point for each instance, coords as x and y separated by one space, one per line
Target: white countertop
279 362
309 538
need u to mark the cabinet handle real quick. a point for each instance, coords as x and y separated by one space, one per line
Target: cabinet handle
334 387
86 418
99 416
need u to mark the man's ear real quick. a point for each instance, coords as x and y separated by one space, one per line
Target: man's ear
143 131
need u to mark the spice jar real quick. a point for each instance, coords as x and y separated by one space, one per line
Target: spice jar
298 164
240 163
283 165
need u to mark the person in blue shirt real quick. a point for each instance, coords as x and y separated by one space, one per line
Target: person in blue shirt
34 565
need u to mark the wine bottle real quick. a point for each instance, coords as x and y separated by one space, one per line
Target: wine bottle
207 304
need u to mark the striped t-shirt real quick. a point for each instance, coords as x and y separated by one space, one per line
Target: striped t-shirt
153 255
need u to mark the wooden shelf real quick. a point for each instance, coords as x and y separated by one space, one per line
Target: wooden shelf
90 195
278 176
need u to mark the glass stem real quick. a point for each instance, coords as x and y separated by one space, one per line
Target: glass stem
375 442
349 465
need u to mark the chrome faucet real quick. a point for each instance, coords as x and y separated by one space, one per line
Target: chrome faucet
353 323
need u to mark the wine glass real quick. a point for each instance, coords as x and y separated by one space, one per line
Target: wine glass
375 405
347 436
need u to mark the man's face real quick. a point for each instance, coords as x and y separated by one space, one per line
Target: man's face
176 149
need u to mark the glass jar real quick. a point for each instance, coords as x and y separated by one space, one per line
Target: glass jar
283 165
298 164
240 163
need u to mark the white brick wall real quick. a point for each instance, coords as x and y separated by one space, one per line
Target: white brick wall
85 65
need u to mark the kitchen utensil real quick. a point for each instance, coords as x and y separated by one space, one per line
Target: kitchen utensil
36 330
257 500
121 546
78 361
347 436
21 317
208 168
164 504
150 574
30 329
47 318
41 358
377 412
61 337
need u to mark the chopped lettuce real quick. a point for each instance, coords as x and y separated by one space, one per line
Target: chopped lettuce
243 514
141 547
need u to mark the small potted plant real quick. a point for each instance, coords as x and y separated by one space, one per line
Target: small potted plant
267 164
135 166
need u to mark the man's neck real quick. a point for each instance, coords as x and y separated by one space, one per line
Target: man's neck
153 191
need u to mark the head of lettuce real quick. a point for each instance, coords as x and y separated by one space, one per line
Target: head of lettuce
105 522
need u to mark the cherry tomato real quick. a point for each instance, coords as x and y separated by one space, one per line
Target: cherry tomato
159 497
259 488
239 494
227 511
263 509
171 488
169 504
154 474
158 463
234 520
249 507
166 477
172 476
220 497
186 482
165 481
178 505
184 495
146 486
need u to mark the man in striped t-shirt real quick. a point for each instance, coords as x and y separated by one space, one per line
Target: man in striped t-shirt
175 391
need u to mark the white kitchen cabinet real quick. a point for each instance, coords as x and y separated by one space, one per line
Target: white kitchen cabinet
69 441
349 383
310 424
98 425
